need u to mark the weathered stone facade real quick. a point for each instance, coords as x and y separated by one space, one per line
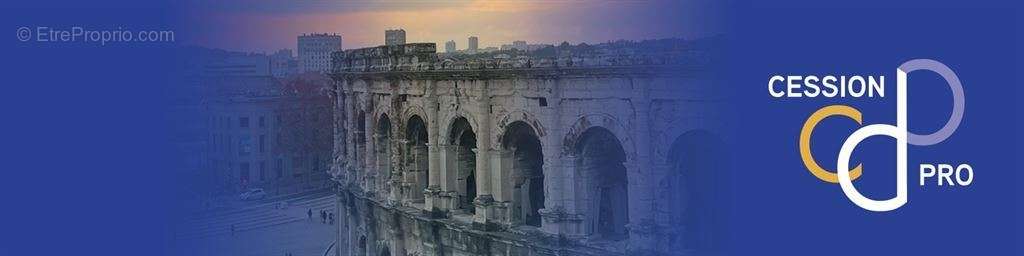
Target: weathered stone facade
533 157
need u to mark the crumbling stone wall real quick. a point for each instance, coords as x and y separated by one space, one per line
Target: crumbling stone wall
576 114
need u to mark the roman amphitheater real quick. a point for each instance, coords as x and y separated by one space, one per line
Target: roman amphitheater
603 154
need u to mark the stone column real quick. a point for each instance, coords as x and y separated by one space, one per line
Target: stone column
340 131
421 178
501 174
663 218
501 185
560 214
484 199
357 160
566 217
640 225
350 139
394 168
369 154
638 171
448 155
341 231
399 173
433 152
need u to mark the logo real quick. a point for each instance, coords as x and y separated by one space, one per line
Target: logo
963 174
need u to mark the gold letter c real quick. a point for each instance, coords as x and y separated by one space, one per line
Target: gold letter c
805 140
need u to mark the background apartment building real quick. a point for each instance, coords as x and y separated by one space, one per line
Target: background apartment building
314 51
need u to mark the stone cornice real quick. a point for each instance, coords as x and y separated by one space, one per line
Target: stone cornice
633 71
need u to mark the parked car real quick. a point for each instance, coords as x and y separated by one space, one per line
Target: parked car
253 194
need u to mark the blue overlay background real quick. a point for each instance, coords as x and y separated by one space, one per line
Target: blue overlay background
85 148
781 207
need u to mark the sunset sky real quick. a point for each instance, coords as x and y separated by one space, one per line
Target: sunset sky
268 25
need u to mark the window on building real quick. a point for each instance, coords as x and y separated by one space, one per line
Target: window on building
263 122
243 172
263 143
243 122
244 145
316 162
296 166
280 168
263 170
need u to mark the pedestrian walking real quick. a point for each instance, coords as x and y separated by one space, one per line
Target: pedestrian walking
309 214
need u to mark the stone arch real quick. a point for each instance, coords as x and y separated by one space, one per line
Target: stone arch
524 172
692 192
601 184
575 131
677 128
362 100
449 121
415 110
383 110
358 133
384 248
462 139
383 140
416 129
415 158
383 122
502 125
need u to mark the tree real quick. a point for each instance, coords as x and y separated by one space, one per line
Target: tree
306 122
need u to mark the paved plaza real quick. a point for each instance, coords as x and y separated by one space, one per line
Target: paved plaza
260 229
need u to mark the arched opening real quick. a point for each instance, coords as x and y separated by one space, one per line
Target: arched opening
416 158
527 173
464 139
382 146
385 251
600 161
697 190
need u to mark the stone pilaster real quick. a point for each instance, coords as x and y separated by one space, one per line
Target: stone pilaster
430 195
643 236
564 218
399 175
559 215
447 177
641 226
369 154
350 128
665 229
432 201
485 198
502 185
501 174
